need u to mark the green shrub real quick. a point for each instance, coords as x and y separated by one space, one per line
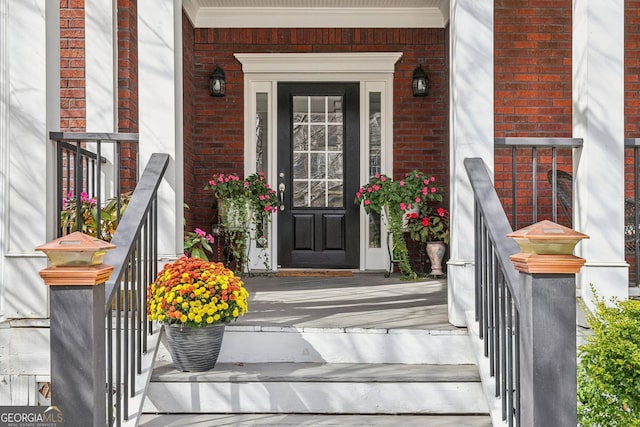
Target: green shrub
609 367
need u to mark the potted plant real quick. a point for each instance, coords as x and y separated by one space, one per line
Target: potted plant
263 202
380 194
430 226
245 208
194 299
233 209
229 192
405 201
89 212
429 223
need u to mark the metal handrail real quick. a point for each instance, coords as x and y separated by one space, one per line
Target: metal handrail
130 226
497 293
135 261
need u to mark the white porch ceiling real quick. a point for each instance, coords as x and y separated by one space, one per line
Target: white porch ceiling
317 13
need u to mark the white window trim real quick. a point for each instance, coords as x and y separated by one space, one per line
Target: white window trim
373 70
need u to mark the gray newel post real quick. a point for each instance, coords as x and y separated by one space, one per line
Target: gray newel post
77 327
547 290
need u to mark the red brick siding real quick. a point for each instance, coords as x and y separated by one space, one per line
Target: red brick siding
420 124
532 94
72 62
632 68
191 186
128 87
631 98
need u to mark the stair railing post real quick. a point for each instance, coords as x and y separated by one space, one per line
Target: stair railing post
77 330
548 383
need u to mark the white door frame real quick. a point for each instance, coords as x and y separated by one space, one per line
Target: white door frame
262 72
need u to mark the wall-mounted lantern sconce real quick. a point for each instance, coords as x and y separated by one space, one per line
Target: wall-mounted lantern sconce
420 82
217 84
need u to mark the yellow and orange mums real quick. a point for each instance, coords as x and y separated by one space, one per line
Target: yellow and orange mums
194 292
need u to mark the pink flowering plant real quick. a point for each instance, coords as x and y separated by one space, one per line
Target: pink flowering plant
246 207
226 186
89 213
382 193
379 192
197 244
263 202
418 189
262 198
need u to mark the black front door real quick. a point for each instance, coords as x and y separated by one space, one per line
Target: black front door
318 171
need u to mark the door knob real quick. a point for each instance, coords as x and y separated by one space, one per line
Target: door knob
281 189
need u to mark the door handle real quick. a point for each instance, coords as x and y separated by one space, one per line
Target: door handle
281 189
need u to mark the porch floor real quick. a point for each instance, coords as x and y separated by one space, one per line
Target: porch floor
364 300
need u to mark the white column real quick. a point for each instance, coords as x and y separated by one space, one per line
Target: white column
598 118
160 110
471 135
24 153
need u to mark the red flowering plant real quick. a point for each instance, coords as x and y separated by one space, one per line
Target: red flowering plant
429 221
193 292
429 224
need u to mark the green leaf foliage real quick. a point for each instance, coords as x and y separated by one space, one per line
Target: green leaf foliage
609 367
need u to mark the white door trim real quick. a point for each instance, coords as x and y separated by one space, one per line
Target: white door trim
262 72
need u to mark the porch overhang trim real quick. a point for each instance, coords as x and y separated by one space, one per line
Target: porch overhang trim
350 62
431 14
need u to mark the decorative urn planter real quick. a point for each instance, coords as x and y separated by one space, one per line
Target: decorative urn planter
195 349
435 252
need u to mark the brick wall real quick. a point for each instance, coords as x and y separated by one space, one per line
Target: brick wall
420 124
631 100
128 87
72 65
191 185
632 68
532 94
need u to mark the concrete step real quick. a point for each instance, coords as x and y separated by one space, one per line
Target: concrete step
271 420
318 388
259 344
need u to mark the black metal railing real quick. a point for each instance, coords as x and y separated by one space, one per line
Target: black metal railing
83 169
631 212
533 177
497 297
135 261
82 174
